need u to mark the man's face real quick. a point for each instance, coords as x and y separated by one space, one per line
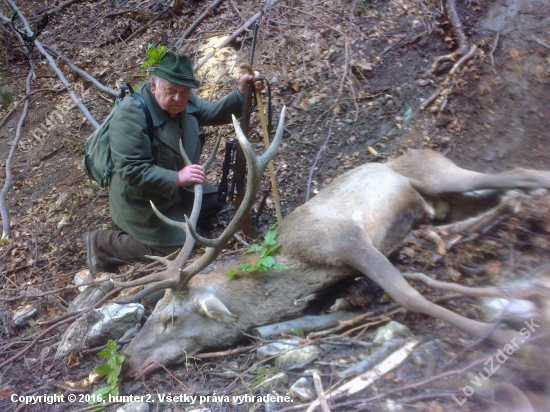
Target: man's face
171 97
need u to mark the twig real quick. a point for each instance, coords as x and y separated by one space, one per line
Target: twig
197 22
320 393
539 41
4 212
12 110
224 353
492 52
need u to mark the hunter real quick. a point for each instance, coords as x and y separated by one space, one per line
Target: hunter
140 175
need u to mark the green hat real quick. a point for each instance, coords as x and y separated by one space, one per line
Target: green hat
176 68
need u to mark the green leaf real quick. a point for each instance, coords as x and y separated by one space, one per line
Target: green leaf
297 332
111 345
102 370
119 359
103 391
244 266
280 266
267 261
112 380
112 363
231 273
269 238
104 353
408 113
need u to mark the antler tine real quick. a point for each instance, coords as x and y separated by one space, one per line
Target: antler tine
256 167
167 284
274 146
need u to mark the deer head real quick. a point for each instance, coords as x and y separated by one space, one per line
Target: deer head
182 314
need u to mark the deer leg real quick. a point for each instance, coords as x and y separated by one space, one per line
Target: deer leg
431 173
489 291
360 253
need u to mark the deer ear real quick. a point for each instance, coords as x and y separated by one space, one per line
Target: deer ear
215 309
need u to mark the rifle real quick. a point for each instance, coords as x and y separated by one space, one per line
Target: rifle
239 164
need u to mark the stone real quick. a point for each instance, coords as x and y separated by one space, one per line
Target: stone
302 390
513 310
391 330
296 357
280 378
96 327
273 349
134 407
21 317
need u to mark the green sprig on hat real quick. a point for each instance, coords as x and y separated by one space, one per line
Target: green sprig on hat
154 55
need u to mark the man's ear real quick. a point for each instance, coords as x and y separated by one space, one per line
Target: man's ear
153 87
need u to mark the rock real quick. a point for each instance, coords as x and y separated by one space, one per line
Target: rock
82 277
117 319
134 407
514 310
296 357
279 379
91 295
392 330
302 390
273 349
98 326
21 317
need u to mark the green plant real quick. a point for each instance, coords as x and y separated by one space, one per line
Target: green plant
266 251
111 369
154 55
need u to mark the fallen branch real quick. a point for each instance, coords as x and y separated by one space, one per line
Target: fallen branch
224 353
461 55
382 353
320 393
12 110
471 228
51 61
306 323
236 34
4 212
83 73
368 378
197 22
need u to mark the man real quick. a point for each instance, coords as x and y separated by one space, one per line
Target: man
146 173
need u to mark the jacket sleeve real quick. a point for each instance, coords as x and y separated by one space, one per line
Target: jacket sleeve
132 154
214 114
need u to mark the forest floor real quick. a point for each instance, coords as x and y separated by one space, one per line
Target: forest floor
354 77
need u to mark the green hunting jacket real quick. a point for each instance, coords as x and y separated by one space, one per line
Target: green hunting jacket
138 179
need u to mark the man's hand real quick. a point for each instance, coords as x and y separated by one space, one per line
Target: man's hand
258 83
191 175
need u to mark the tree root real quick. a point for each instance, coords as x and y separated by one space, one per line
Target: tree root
461 55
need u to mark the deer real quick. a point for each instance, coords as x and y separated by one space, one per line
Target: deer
349 228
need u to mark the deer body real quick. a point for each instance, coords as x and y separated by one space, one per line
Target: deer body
349 228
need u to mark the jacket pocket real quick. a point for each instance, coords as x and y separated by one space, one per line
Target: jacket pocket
135 193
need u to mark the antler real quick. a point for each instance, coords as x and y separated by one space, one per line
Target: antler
175 276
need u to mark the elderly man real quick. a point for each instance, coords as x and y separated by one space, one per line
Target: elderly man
148 170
